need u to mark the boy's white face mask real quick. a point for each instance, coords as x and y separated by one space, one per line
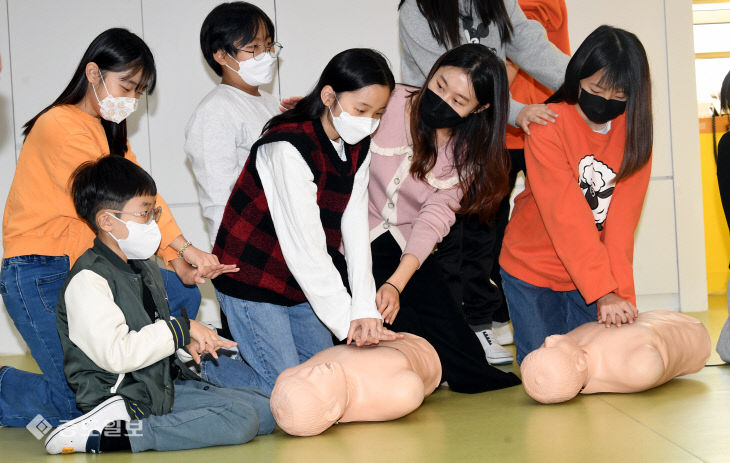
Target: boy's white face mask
256 72
142 241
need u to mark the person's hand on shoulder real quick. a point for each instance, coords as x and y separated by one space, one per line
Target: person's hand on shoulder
538 113
288 103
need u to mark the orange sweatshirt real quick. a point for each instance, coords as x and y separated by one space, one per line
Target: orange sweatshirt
553 15
573 226
40 217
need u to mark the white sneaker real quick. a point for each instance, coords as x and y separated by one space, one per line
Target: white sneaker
502 333
496 354
73 436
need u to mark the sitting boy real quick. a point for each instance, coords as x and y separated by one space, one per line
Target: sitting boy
118 337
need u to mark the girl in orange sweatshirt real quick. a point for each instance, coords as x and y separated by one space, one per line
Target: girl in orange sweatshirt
43 236
567 256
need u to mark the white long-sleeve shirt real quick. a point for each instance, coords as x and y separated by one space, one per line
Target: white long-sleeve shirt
218 140
291 194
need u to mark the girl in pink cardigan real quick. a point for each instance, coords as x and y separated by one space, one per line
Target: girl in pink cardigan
439 149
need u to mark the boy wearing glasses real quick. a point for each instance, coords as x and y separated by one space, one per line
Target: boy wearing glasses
119 339
237 42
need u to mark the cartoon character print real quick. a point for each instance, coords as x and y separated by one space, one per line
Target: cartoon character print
471 33
596 179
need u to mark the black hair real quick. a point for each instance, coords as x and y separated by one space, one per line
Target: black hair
478 142
114 50
623 57
347 71
725 94
443 19
108 183
229 26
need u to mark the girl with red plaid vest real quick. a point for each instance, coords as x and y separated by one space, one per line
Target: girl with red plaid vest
301 197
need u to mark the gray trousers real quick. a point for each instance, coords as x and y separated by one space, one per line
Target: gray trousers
204 416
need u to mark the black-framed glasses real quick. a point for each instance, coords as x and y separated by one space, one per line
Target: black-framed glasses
149 215
258 51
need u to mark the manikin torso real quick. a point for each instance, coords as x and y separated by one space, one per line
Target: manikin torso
381 382
387 381
657 347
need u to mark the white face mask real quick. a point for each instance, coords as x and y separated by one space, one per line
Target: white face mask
351 128
256 72
142 241
114 109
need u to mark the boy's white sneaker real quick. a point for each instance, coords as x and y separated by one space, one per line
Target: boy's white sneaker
496 354
73 436
502 333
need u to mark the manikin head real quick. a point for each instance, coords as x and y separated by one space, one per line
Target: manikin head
556 372
308 399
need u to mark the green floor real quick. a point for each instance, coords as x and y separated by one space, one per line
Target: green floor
685 420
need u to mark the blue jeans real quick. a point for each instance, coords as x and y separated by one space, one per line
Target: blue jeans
30 287
723 342
204 416
538 312
180 295
271 338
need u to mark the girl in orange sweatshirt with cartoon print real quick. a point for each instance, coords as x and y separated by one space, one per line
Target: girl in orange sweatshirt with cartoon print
567 256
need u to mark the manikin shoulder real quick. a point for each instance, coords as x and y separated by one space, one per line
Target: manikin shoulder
387 397
640 368
645 367
405 393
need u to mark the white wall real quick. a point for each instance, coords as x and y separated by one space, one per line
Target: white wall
8 336
40 52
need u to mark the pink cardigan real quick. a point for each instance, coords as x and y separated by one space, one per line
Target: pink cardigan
417 213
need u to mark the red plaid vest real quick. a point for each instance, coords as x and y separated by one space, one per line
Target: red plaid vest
247 236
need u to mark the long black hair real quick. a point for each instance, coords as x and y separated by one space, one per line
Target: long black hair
114 50
348 71
443 19
478 144
623 57
725 94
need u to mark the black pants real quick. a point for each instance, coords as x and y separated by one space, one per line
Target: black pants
469 255
428 310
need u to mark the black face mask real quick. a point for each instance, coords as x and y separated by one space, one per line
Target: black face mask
436 113
598 109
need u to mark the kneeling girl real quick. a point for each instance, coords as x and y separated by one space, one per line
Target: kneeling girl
567 257
302 194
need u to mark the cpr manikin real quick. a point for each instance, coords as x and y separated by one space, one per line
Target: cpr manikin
657 347
346 383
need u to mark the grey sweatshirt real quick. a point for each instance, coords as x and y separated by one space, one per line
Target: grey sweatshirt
529 48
